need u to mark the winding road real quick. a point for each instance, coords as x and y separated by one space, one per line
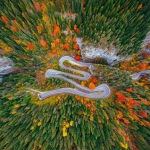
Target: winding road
138 75
101 91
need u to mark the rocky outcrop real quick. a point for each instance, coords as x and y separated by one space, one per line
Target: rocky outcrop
6 66
146 43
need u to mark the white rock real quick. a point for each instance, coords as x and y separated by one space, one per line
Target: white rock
90 52
5 66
